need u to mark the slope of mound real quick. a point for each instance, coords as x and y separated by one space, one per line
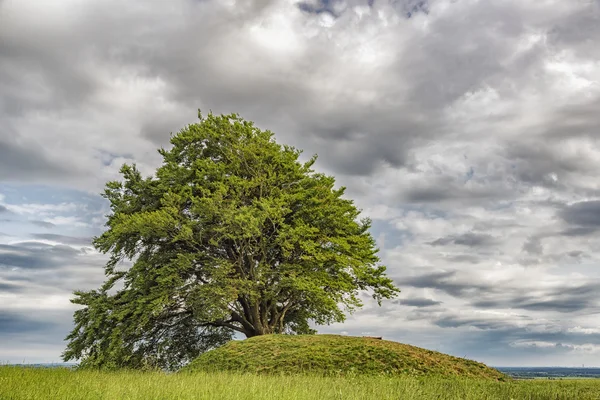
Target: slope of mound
335 355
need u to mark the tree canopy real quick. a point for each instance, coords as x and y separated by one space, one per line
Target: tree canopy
232 234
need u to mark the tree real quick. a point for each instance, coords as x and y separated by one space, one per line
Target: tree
232 234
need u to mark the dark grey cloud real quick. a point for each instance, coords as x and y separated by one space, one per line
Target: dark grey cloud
421 79
3 209
59 277
438 190
418 302
465 258
395 131
575 121
548 164
65 76
456 321
25 162
35 255
479 56
449 282
159 132
561 304
336 8
585 214
533 246
81 241
428 280
579 231
320 6
576 28
8 287
429 194
412 7
576 253
563 298
469 239
17 323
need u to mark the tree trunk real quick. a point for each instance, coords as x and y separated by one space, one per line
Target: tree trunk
258 319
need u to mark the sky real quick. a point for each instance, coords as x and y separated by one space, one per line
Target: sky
467 130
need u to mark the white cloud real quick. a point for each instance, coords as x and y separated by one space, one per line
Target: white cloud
42 210
585 331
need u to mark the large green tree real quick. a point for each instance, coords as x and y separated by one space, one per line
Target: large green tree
232 234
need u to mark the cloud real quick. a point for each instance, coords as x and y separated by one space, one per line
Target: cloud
428 280
450 282
466 129
11 287
23 163
334 108
81 241
469 239
584 331
419 302
18 324
480 323
533 246
35 255
331 7
592 348
559 303
36 283
43 209
480 293
80 211
43 224
584 214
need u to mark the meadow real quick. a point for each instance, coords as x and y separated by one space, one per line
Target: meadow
21 383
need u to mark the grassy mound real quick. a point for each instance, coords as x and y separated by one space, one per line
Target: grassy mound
335 355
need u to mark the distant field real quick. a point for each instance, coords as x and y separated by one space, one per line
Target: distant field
550 372
18 383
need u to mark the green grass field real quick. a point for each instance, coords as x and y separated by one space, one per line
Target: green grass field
18 383
283 367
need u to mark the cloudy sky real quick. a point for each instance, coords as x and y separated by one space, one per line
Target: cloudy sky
467 130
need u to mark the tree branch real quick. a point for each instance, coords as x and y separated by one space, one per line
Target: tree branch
226 324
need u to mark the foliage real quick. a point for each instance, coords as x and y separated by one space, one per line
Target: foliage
232 234
18 383
335 355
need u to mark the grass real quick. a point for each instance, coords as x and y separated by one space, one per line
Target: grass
18 383
280 367
333 355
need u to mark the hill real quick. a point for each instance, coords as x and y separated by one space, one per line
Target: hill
335 355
